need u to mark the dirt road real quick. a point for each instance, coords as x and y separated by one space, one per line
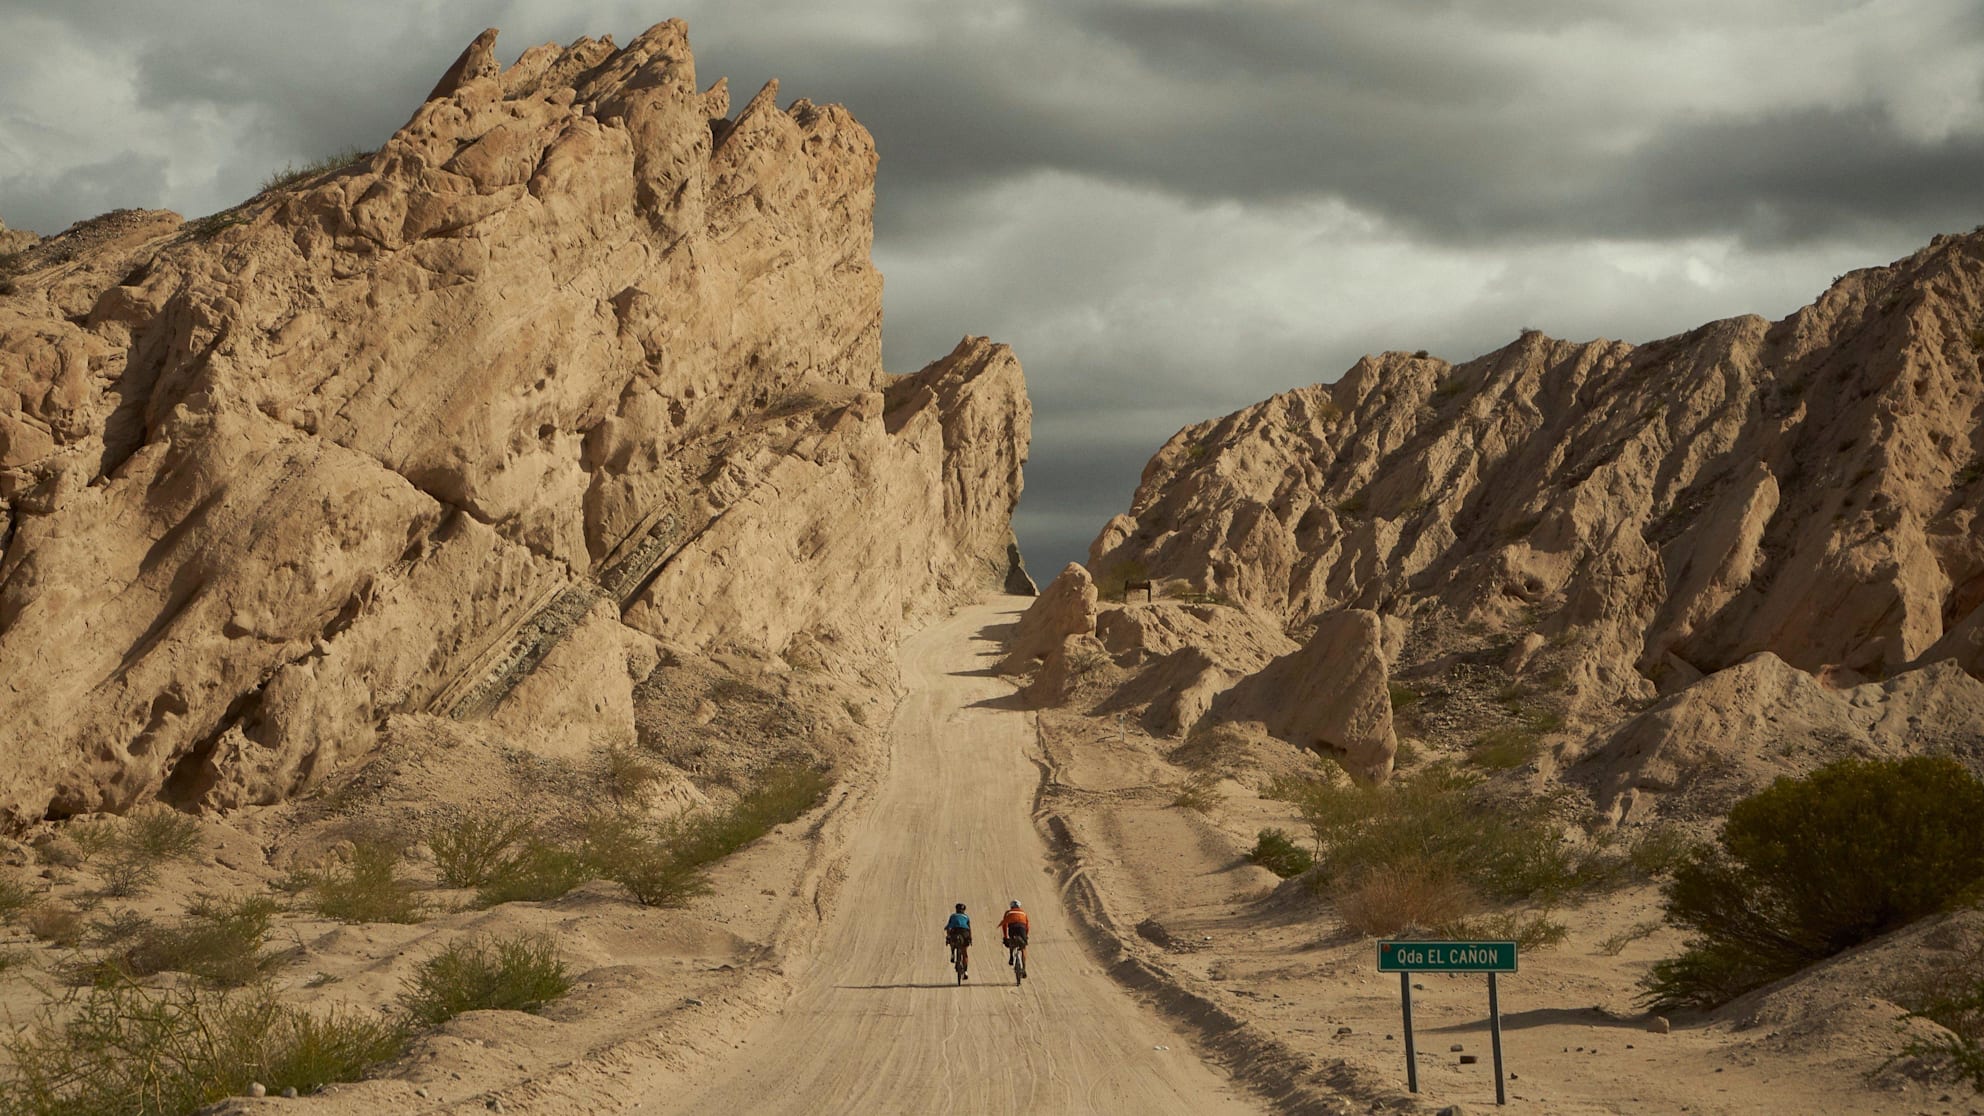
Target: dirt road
878 1024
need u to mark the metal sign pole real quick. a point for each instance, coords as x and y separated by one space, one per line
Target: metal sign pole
1495 1030
1411 1057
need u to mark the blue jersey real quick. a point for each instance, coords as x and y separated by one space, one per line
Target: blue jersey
959 921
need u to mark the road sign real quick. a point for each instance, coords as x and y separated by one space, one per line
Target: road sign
1446 957
1406 958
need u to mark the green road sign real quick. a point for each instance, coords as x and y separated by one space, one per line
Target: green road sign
1446 957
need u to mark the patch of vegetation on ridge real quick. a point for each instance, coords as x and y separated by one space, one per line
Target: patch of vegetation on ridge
291 174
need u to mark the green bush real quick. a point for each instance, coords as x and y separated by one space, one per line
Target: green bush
158 835
1816 865
521 973
538 872
124 1049
365 885
1437 821
220 941
660 865
1274 851
469 848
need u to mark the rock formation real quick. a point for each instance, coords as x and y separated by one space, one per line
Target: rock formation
1601 524
578 365
15 240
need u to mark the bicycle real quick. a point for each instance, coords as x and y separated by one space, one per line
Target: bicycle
1016 957
958 961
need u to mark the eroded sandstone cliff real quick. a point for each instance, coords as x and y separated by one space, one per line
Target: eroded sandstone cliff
579 367
1585 528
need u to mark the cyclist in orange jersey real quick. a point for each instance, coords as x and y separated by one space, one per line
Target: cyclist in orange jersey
1013 929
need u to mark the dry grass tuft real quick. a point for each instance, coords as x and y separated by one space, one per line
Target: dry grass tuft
1388 899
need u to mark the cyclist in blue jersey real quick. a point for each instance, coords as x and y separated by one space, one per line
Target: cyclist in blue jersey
957 935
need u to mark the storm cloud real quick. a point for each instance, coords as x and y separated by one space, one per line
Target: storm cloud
1170 209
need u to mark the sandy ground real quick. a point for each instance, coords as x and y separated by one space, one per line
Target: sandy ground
1273 967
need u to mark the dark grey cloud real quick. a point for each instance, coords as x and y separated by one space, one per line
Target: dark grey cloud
1169 208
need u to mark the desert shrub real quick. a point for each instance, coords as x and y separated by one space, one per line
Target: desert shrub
365 884
1403 697
220 941
1659 851
1200 792
1274 851
662 864
1815 865
1450 387
1969 474
59 851
1387 898
213 224
158 836
1953 999
1110 586
126 1049
659 862
648 859
1615 944
1354 504
521 973
92 838
727 688
125 875
627 776
55 923
1528 931
470 847
1506 748
11 959
291 174
539 871
1504 848
15 898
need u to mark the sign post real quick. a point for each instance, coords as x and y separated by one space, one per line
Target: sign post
1408 957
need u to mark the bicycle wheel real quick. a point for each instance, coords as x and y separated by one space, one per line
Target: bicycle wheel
957 962
1019 966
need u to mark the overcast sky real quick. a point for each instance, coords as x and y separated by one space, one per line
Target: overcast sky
1169 209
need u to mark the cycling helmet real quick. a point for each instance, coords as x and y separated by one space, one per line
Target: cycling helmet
1016 905
960 906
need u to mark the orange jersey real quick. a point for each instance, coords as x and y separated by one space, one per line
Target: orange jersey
1012 919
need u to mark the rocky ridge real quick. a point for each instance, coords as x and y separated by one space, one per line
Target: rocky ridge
1556 535
579 372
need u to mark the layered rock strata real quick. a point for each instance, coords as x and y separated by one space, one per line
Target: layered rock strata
578 356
